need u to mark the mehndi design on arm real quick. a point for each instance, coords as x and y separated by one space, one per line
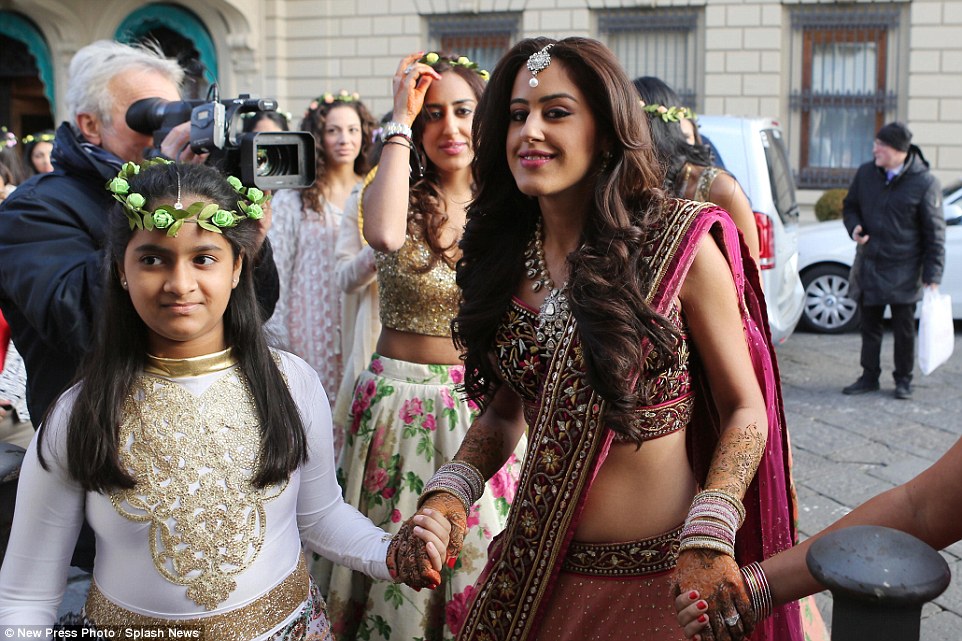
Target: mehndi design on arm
736 459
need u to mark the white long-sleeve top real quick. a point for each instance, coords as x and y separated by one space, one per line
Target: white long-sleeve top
51 507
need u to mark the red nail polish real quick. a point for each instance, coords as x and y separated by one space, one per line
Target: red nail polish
692 595
702 618
452 561
702 605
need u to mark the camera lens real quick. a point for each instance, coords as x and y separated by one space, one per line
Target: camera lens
276 160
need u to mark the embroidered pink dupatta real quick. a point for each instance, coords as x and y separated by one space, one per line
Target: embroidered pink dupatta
568 444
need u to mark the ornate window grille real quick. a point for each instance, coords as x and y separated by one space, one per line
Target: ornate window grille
483 37
845 85
656 42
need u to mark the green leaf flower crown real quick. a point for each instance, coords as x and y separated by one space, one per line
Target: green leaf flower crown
460 61
668 114
209 216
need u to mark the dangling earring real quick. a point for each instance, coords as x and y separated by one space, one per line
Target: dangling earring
605 160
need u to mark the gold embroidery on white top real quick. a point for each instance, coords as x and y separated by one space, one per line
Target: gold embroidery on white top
193 459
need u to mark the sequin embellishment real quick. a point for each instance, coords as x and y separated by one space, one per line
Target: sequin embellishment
193 458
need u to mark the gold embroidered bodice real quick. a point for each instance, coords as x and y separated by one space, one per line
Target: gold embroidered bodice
193 458
420 302
666 381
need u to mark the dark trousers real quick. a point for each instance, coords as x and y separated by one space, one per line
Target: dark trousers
903 332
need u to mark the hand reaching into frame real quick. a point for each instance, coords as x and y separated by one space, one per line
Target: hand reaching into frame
727 614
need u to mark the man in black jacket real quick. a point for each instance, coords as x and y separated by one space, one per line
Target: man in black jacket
52 228
893 210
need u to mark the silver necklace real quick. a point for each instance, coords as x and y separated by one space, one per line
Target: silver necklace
555 309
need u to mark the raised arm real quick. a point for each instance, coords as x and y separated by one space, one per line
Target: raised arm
712 312
386 199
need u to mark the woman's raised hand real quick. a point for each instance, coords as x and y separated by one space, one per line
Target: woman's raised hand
725 613
411 82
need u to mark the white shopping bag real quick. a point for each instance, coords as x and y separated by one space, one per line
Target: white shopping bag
936 333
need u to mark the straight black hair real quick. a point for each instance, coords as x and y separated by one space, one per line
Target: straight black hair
120 348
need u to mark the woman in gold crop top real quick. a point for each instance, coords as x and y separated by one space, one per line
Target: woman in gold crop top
689 171
407 418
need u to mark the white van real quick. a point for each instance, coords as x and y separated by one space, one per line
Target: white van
753 150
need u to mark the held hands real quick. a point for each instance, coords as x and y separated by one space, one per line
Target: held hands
725 613
411 83
414 556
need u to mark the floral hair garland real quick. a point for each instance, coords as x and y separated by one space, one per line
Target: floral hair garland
209 216
29 138
461 61
668 114
330 98
7 138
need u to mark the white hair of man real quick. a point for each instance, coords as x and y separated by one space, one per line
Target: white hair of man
93 67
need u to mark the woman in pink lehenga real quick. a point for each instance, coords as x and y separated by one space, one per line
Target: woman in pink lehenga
618 326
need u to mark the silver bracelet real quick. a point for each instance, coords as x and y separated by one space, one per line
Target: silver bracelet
759 590
394 128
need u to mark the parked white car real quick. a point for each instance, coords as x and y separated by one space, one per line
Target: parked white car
825 255
753 150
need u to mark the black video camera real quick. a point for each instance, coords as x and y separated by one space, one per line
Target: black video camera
267 160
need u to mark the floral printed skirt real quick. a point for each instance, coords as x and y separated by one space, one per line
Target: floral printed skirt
406 421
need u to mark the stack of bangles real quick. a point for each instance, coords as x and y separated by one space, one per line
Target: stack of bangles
713 519
758 590
394 129
461 479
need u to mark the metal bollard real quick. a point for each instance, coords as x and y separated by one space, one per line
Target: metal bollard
879 578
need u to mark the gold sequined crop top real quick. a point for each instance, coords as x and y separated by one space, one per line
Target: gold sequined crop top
523 364
413 301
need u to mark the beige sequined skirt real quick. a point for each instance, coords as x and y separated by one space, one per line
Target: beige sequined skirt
611 591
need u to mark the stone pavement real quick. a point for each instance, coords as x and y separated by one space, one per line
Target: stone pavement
847 449
850 448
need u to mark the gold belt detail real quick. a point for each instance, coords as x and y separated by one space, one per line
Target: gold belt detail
246 622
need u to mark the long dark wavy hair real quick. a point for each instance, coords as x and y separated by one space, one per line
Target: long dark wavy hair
671 145
607 276
314 121
120 348
426 215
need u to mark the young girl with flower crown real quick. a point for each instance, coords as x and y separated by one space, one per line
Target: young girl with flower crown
200 457
307 319
407 417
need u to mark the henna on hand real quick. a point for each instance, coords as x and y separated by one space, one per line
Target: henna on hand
453 510
717 578
408 562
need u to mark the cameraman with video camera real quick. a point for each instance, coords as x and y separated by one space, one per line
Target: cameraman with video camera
52 228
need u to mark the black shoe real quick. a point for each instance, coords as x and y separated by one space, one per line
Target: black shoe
861 386
903 391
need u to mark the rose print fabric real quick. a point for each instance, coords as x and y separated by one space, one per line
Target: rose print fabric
406 421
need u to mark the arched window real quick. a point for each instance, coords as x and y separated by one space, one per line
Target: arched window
26 76
181 35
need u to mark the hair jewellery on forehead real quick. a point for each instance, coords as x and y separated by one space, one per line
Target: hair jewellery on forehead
538 62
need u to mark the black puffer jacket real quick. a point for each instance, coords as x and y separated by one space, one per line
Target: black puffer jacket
906 226
52 234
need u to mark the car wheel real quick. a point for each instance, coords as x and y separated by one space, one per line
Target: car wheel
828 309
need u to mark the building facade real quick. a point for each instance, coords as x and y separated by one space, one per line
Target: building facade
831 72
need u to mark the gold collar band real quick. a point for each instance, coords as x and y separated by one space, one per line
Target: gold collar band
194 366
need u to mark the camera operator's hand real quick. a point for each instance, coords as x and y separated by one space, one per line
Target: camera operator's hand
411 82
176 146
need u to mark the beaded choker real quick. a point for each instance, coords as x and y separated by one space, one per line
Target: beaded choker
171 218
